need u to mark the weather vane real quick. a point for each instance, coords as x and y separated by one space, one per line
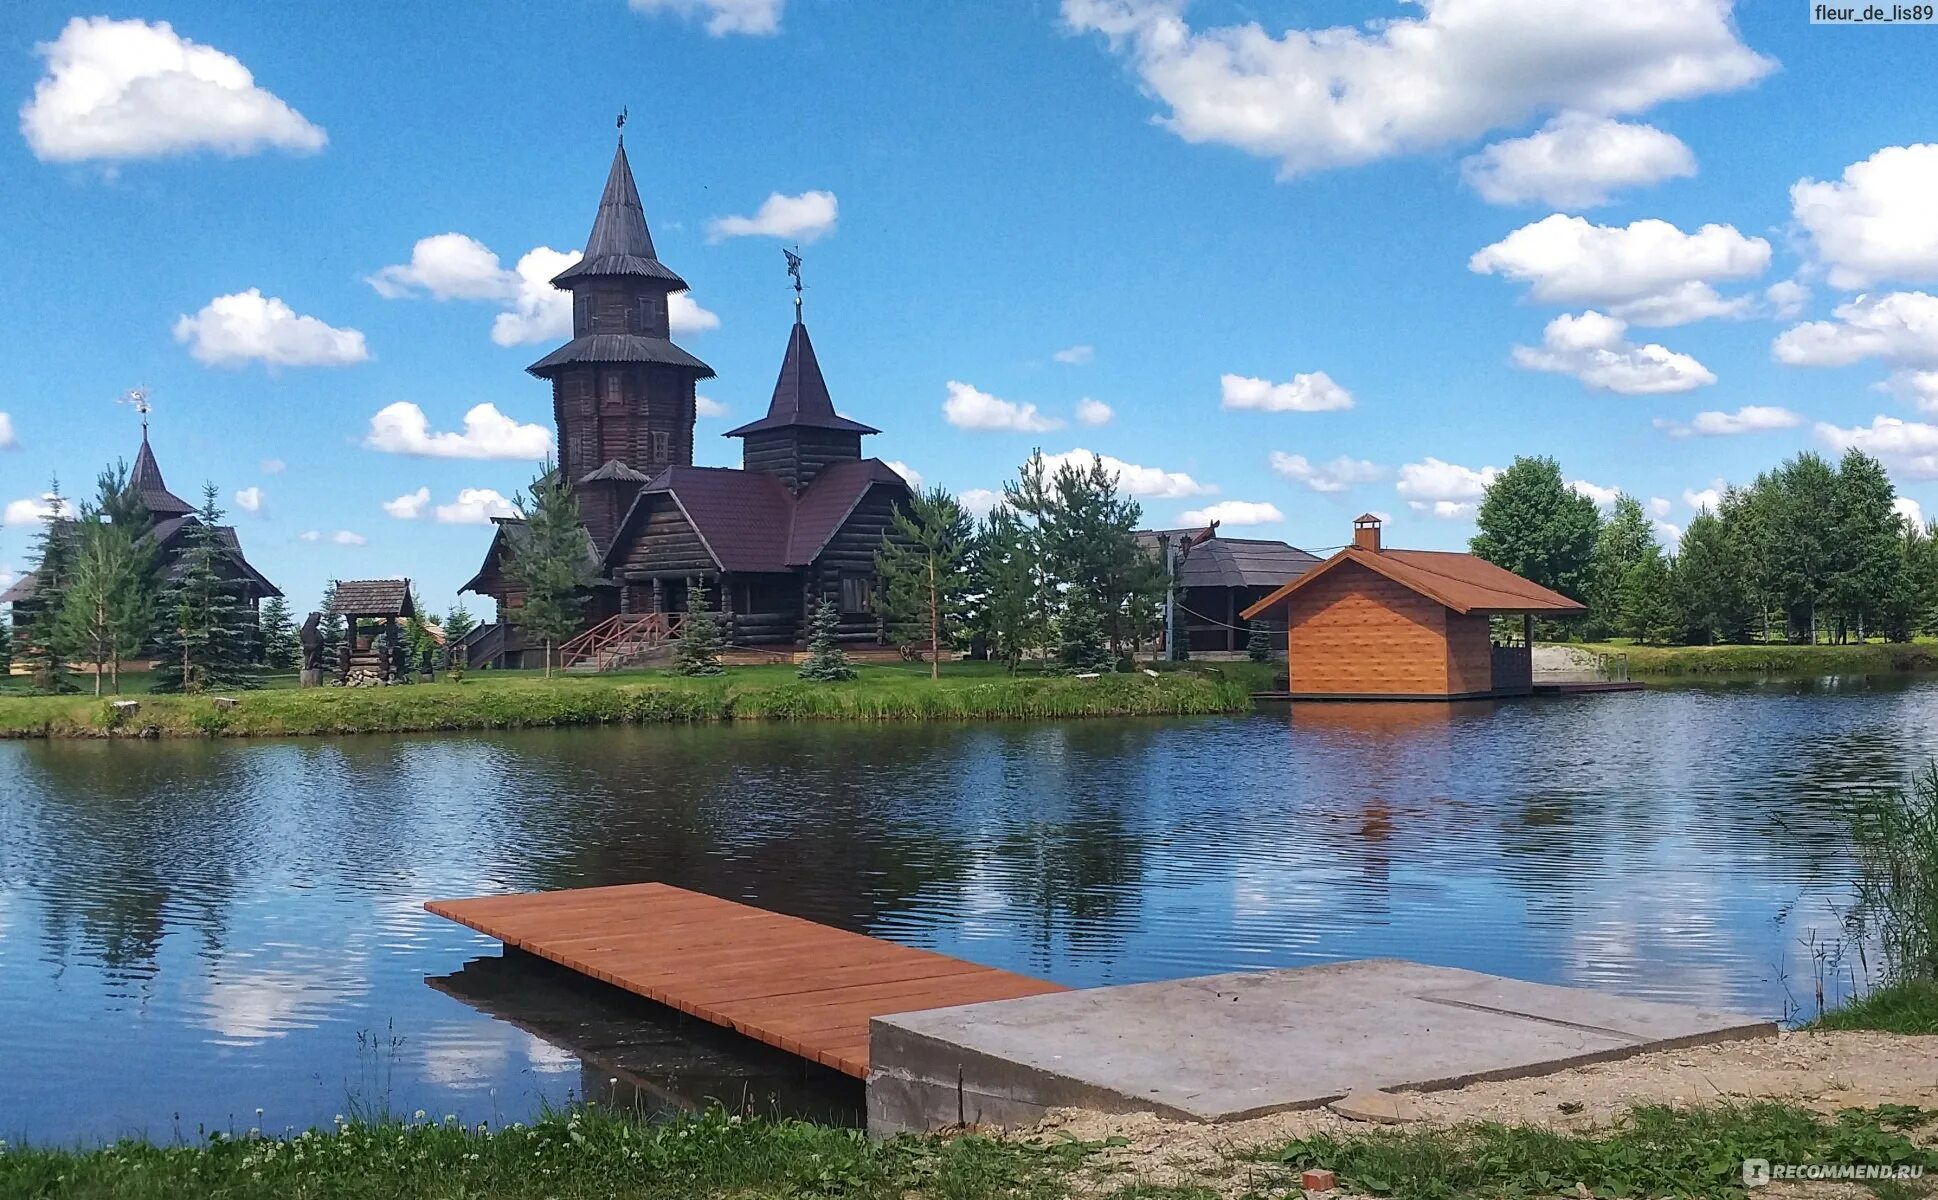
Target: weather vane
794 273
622 119
137 399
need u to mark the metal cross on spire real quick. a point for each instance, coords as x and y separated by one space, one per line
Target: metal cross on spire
137 399
621 123
794 273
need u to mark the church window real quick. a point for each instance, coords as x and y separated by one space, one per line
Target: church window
581 311
614 395
855 593
648 314
661 442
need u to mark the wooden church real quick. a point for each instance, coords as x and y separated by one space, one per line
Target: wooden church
798 521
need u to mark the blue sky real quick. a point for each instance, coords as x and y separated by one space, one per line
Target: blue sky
1255 243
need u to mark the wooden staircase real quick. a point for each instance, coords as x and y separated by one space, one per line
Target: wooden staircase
619 642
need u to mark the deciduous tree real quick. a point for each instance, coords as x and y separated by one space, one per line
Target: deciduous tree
1534 524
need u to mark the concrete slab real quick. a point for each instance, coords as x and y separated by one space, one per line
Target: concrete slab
1228 1047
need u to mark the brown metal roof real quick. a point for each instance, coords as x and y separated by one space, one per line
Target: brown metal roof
615 471
1465 583
801 394
373 598
145 481
835 492
620 243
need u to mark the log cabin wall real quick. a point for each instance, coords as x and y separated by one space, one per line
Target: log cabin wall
796 454
665 542
1470 653
851 552
1356 632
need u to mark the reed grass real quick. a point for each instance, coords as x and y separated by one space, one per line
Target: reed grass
1868 658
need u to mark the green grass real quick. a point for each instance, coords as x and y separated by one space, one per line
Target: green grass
581 1155
1910 1007
512 700
1654 1151
1868 658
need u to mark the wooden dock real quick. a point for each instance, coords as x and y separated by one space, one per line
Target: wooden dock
805 988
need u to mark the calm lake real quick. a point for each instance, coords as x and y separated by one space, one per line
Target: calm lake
190 932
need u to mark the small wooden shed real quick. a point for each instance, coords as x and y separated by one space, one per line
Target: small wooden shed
1371 623
371 610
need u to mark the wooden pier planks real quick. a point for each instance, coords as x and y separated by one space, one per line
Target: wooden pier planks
805 988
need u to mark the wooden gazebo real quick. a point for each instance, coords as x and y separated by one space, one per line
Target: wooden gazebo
371 610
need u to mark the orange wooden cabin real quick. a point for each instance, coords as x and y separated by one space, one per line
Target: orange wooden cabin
1376 624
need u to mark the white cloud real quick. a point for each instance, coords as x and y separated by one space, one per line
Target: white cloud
1094 412
448 266
1919 387
1075 355
707 406
796 218
402 428
1898 327
540 312
970 408
1880 222
7 577
979 500
342 537
1659 507
1649 271
1592 347
1312 392
1576 160
1233 512
250 500
235 329
1751 418
1313 99
272 466
1786 298
758 17
913 476
1604 497
32 510
1152 483
1668 533
7 439
475 506
1909 447
1444 489
129 89
410 505
1710 498
1910 510
1330 477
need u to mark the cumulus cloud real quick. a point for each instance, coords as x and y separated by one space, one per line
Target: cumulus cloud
1594 349
447 266
1658 506
131 90
1094 412
1233 512
1649 271
971 408
707 406
1710 498
342 537
1879 222
475 506
1898 327
1604 497
251 327
1313 392
1329 477
1907 447
1577 160
32 510
796 218
409 506
758 17
250 500
7 439
1751 418
1313 99
1075 355
1920 388
402 428
1444 489
913 476
1786 298
272 466
1153 483
979 500
1910 511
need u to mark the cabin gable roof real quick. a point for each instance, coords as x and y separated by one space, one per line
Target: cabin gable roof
1464 583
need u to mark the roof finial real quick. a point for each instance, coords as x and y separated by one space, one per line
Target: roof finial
137 398
794 273
621 124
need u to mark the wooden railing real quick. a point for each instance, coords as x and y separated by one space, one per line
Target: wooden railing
616 640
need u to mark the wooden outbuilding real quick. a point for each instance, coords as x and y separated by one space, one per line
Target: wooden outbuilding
1372 623
373 642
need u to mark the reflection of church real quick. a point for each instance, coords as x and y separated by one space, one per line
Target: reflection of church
798 522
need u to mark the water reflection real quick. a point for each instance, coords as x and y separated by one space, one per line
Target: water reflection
234 925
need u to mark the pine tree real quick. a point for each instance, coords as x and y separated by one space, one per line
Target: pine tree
1009 572
40 645
1085 533
107 610
1626 539
924 567
332 627
206 636
6 649
280 648
550 563
826 662
458 623
1081 646
697 651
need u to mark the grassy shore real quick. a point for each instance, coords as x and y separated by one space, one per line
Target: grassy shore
1868 658
506 700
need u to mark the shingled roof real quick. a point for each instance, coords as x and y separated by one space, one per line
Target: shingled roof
165 536
145 481
1234 562
801 394
618 348
373 598
620 243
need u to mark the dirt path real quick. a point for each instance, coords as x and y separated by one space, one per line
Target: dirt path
1822 1071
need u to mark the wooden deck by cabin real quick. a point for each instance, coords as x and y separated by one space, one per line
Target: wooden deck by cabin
805 988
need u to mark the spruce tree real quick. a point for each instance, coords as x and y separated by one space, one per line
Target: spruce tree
39 642
826 661
280 648
1258 643
1080 642
924 567
107 611
6 649
458 624
206 638
697 650
550 562
1085 534
332 627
